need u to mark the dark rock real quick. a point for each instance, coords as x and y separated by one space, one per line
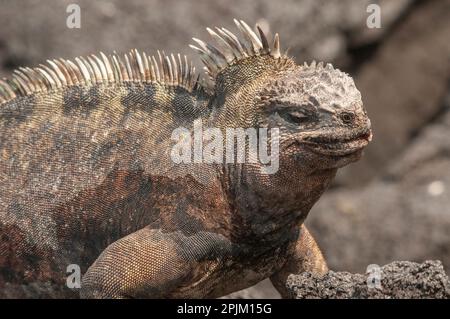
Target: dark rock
399 279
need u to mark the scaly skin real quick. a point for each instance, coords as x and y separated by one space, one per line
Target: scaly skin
86 175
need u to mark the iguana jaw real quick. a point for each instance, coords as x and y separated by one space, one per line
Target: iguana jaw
344 144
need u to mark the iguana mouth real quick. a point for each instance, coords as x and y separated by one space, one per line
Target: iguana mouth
338 145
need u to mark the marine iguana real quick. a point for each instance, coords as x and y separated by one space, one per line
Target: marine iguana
87 178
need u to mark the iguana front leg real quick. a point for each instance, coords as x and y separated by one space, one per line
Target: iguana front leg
153 264
305 257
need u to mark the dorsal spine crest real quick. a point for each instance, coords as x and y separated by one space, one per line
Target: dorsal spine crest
134 67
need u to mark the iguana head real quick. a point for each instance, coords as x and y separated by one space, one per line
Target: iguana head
317 108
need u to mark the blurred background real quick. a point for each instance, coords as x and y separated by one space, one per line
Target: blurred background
392 205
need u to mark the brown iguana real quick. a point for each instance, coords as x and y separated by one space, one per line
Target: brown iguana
87 175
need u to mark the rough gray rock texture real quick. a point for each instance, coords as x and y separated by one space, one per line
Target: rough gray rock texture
399 279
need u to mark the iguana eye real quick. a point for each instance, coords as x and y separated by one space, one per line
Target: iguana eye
347 118
295 117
